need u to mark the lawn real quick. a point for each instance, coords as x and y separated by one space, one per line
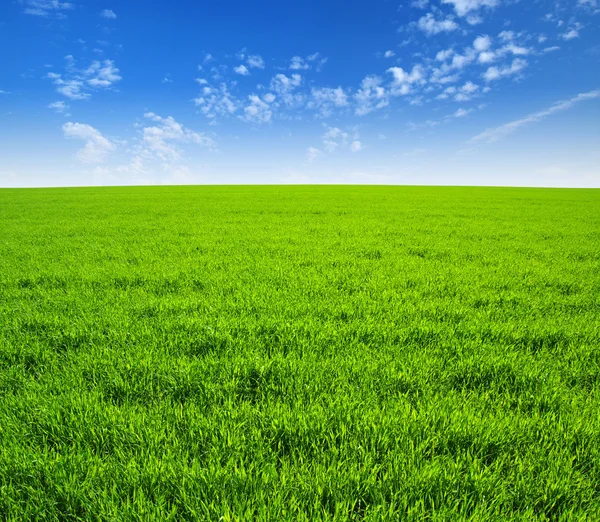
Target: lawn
300 353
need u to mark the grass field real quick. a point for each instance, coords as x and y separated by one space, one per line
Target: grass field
300 353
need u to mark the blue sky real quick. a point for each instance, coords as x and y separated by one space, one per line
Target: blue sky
452 92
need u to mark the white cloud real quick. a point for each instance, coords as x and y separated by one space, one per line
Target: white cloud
312 153
47 7
59 106
285 86
72 89
443 80
96 145
109 14
514 49
464 7
570 35
459 61
497 133
335 138
403 81
469 88
255 62
442 56
461 113
77 82
298 64
430 25
371 96
241 69
336 97
449 72
161 140
482 43
389 54
495 73
102 74
466 92
356 146
402 77
317 60
474 19
258 111
326 99
282 83
215 101
487 57
447 92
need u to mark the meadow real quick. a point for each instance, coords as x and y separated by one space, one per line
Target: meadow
299 353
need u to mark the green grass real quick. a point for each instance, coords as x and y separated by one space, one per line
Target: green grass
300 353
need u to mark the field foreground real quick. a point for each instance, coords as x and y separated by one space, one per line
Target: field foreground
299 353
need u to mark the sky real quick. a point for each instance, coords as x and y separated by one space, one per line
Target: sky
442 92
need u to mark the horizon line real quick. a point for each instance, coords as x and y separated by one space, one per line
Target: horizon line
370 185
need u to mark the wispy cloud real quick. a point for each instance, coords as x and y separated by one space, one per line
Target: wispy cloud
403 80
215 101
298 64
47 8
335 138
241 70
495 73
326 99
315 60
109 14
461 113
497 133
312 154
285 87
371 95
72 89
96 146
255 62
258 110
570 34
431 25
163 138
465 7
356 146
59 106
102 74
76 83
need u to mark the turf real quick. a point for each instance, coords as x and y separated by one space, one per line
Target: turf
300 353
